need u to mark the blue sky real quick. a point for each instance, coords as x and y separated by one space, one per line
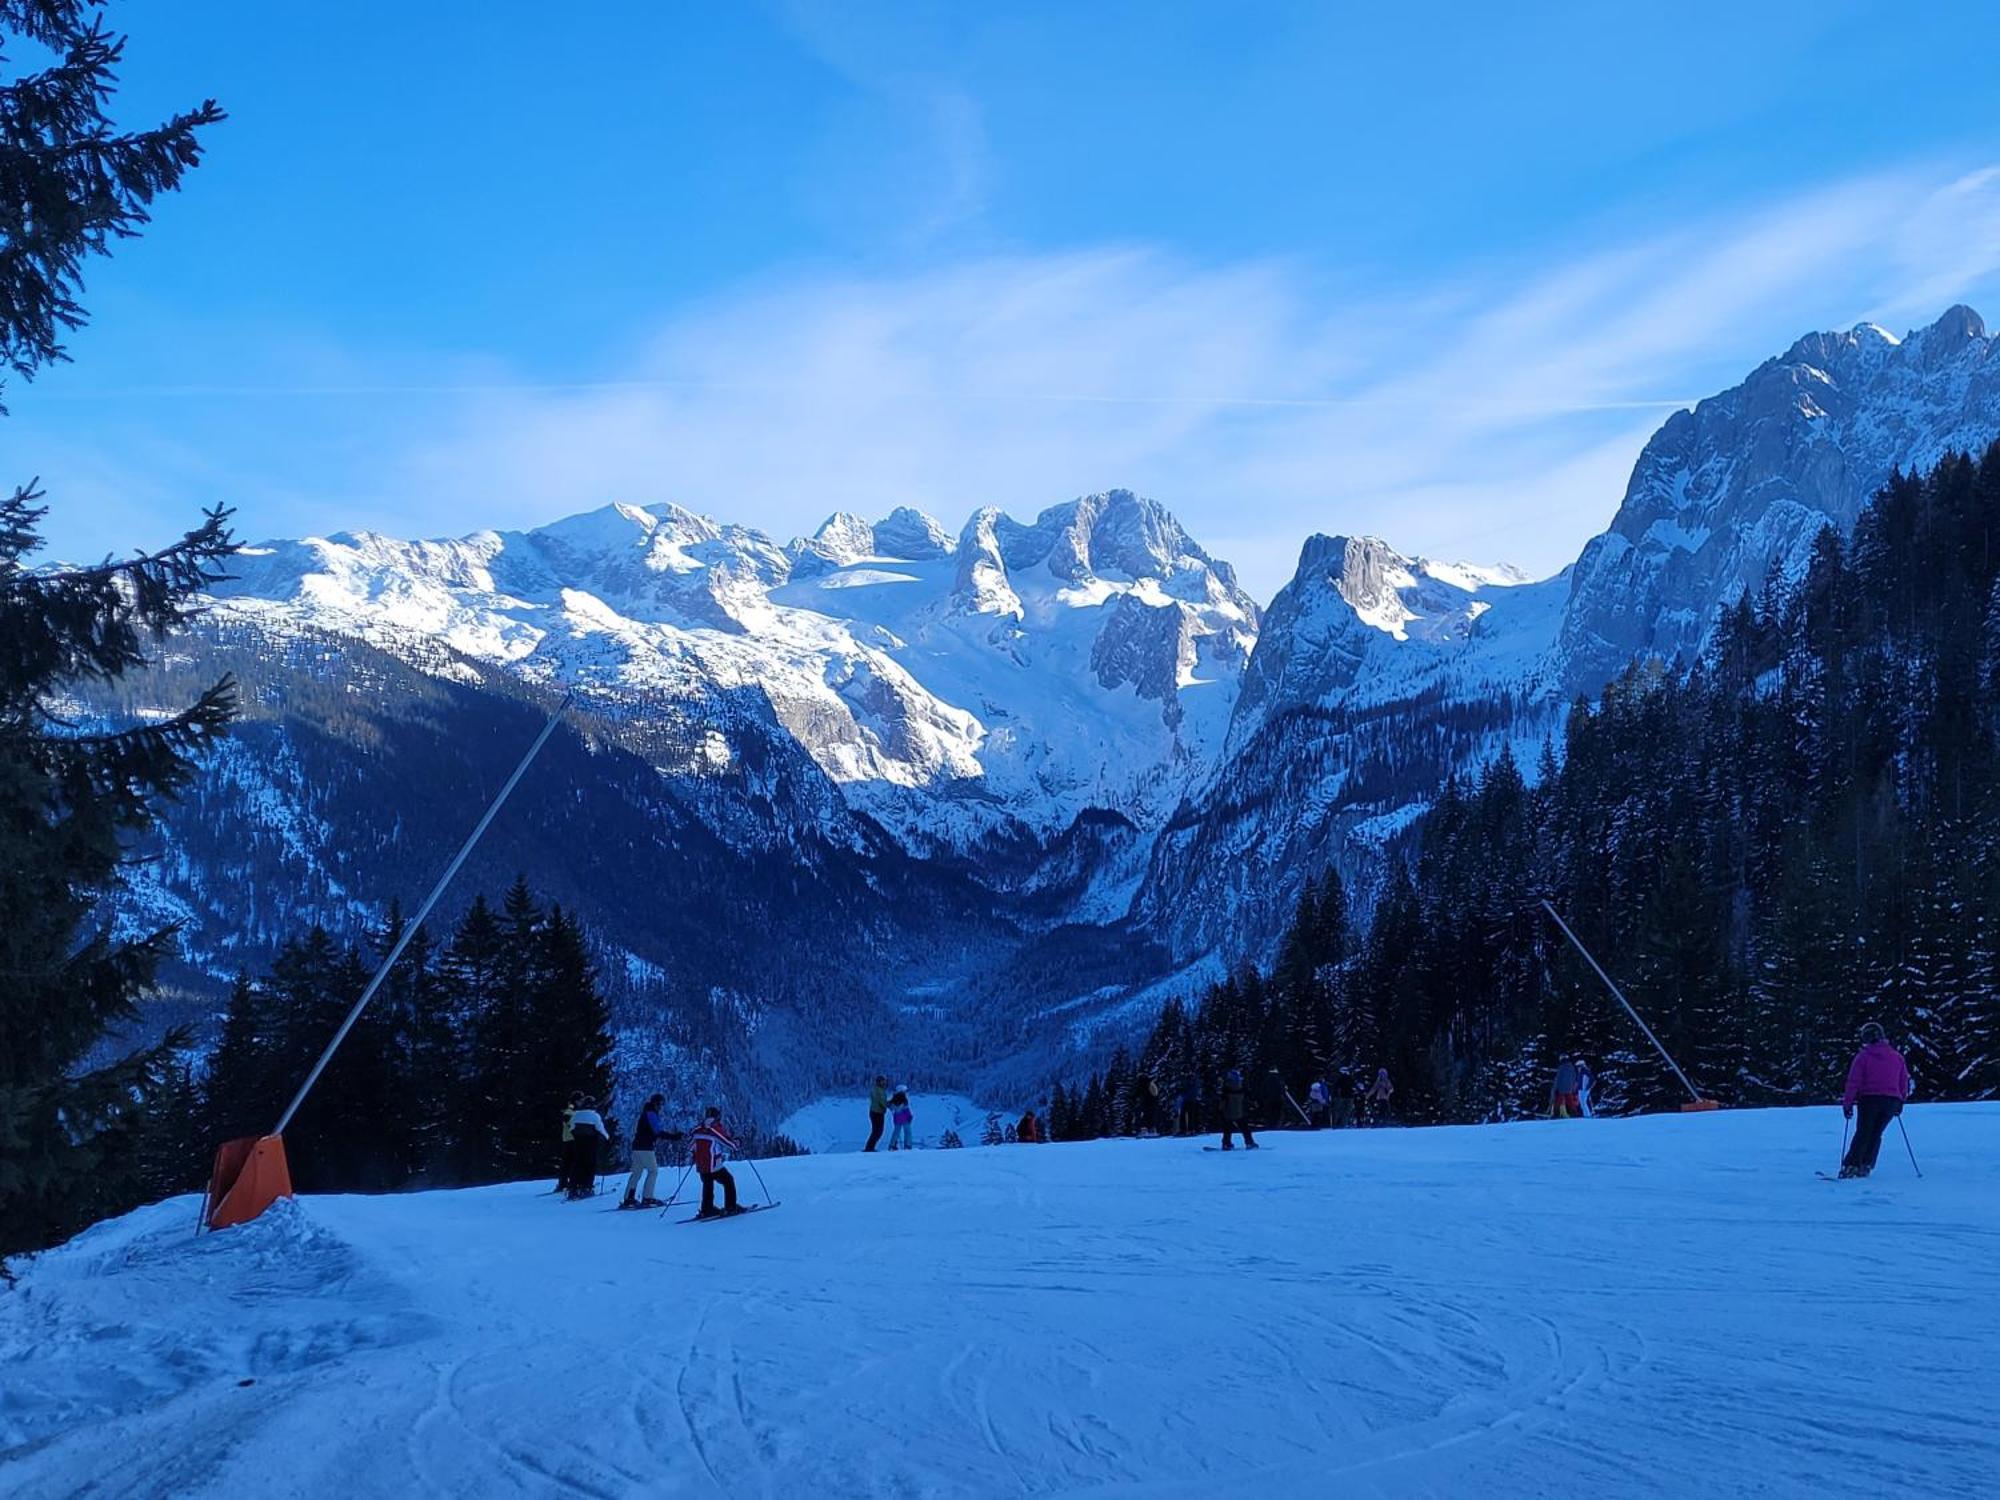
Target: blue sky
1432 273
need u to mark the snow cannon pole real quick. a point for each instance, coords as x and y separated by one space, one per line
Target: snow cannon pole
1693 1093
1303 1116
410 927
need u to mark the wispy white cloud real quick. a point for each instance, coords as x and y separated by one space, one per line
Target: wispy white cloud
1493 417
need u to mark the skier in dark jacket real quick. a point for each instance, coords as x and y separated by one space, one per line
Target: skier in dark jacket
712 1145
878 1111
1233 1111
1344 1093
1878 1083
1563 1101
647 1136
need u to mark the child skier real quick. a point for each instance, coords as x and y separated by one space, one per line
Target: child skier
712 1145
1878 1082
899 1104
1319 1102
647 1136
1232 1112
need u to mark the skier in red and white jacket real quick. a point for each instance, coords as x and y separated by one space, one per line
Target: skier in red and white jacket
712 1145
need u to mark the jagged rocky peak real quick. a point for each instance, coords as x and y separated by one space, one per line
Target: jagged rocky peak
906 533
1745 481
1115 537
909 533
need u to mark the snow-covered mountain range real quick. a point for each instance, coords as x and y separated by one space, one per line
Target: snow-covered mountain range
1054 768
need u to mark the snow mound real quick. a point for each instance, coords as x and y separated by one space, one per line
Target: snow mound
1653 1307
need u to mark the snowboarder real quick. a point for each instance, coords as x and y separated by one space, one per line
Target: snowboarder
1319 1103
1029 1131
712 1145
1232 1112
900 1104
1379 1097
1585 1082
1878 1082
878 1111
586 1134
1563 1104
647 1136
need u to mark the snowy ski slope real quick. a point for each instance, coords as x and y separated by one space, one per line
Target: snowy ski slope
1667 1306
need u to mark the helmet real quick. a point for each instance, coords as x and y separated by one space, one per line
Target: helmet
1873 1032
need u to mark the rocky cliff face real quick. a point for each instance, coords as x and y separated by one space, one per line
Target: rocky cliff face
1747 479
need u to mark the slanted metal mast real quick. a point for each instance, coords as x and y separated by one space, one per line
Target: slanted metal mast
1619 996
410 927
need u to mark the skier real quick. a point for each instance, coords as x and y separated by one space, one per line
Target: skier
1379 1096
712 1145
587 1133
1232 1112
1344 1094
1585 1082
565 1178
1319 1103
900 1103
878 1110
1029 1131
1149 1105
1563 1104
1878 1081
646 1138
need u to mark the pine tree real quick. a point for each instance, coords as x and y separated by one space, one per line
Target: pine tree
71 801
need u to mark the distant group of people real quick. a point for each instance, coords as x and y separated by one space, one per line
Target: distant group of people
584 1134
1349 1099
885 1107
1569 1091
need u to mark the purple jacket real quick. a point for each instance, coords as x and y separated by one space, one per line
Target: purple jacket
1878 1068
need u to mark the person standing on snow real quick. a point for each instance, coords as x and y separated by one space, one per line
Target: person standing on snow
1319 1103
900 1103
878 1111
1878 1083
712 1145
647 1136
1585 1082
1029 1131
1232 1112
1344 1093
1379 1097
565 1178
586 1133
1563 1103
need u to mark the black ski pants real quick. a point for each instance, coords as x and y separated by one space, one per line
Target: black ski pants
875 1119
1872 1114
1230 1127
708 1182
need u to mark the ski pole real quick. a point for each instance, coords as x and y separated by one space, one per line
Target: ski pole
768 1199
674 1196
1908 1147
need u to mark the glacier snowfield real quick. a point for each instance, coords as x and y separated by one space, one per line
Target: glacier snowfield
1669 1306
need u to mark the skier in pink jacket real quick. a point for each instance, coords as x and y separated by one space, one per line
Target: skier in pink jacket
1878 1081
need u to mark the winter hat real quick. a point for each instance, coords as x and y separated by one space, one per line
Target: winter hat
713 1112
1873 1032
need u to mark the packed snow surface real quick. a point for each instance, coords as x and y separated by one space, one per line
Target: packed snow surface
1671 1306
